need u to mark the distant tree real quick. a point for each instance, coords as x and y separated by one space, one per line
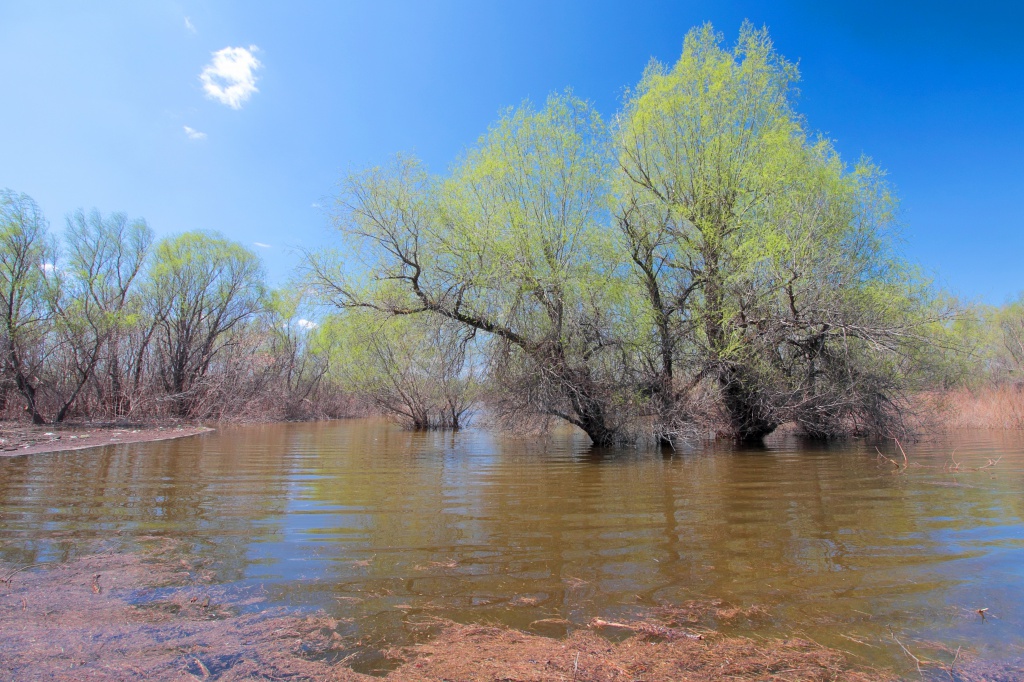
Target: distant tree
1012 326
92 300
201 287
26 254
414 369
302 360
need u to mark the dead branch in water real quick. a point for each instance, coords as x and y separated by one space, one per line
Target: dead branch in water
889 459
906 462
648 629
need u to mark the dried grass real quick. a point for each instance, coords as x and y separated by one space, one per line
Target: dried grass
478 653
988 407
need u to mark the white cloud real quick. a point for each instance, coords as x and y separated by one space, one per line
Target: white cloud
307 324
194 134
314 205
190 26
48 267
230 77
261 245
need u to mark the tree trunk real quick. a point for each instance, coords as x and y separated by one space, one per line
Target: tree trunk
592 418
748 416
600 434
25 387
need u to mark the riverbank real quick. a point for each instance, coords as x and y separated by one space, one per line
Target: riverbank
157 616
988 408
19 438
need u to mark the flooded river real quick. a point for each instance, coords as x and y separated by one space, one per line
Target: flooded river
375 526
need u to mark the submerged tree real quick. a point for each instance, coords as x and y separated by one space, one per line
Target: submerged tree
706 256
763 258
726 256
514 245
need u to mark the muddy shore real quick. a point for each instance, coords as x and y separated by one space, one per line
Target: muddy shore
18 438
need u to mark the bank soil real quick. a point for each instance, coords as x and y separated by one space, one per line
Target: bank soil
156 615
17 438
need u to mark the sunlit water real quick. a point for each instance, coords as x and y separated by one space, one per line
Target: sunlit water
377 526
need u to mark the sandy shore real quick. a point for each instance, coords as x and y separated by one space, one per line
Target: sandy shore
17 438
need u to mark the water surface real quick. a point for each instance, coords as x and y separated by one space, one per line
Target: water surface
377 526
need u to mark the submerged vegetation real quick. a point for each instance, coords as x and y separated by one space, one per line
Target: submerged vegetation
700 263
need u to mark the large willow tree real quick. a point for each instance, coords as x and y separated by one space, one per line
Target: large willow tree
764 258
513 244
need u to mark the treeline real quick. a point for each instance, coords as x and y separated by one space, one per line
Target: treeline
992 338
105 323
701 262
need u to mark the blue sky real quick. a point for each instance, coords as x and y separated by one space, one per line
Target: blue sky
97 97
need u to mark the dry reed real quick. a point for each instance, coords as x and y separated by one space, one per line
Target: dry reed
989 407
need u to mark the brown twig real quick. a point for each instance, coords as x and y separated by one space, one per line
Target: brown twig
952 458
949 671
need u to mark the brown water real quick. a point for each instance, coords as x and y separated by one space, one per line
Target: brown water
377 525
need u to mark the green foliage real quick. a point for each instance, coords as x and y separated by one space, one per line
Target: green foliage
990 341
105 256
513 243
26 255
707 245
766 260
